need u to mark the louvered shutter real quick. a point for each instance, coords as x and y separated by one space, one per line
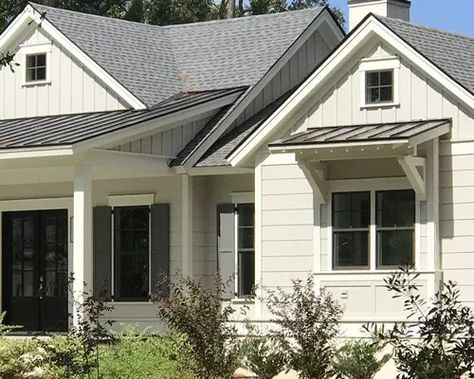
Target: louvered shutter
226 247
102 245
160 243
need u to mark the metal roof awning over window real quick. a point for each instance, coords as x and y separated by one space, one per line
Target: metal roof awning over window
400 133
314 147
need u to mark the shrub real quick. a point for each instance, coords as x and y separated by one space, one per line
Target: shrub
195 311
20 357
308 322
145 356
438 342
358 360
262 355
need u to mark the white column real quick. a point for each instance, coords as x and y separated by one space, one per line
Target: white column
258 239
187 224
82 245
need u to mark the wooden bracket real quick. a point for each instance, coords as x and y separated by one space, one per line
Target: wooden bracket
316 175
410 166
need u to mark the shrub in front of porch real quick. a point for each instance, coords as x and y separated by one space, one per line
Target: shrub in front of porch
194 310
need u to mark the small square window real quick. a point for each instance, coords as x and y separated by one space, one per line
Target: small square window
36 67
379 87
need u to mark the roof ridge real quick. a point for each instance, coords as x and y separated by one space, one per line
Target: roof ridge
430 28
315 10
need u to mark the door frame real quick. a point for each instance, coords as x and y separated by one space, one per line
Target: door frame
50 203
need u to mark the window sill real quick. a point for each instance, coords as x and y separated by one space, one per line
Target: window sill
242 300
36 83
367 272
380 105
130 302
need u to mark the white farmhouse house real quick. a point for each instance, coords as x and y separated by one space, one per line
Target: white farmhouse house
269 146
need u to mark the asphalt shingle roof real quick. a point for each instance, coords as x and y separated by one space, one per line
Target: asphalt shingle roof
71 129
155 62
453 53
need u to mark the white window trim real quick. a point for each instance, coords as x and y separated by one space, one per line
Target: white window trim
133 200
239 198
41 48
372 186
380 64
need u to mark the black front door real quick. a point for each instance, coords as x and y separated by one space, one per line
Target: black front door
35 270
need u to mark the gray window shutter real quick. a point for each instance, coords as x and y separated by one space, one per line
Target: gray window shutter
102 244
226 247
160 243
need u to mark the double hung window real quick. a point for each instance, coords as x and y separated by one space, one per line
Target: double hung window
35 67
391 224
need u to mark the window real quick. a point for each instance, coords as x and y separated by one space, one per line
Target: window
379 87
131 253
351 218
391 227
395 228
245 250
36 67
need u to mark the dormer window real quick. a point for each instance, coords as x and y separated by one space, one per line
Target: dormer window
379 87
36 68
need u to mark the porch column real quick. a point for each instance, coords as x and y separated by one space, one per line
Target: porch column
187 225
82 245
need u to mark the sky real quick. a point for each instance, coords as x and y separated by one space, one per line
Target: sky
451 15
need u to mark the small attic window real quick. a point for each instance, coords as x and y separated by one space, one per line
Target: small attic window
379 87
36 68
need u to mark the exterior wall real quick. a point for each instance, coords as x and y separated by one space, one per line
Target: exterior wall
167 143
73 88
293 72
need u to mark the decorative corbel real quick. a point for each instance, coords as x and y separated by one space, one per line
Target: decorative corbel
410 165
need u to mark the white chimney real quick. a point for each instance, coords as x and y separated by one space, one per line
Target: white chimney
358 9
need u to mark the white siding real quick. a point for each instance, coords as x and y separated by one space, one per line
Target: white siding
167 143
420 98
73 88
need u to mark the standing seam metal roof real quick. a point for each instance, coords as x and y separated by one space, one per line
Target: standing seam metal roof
361 133
155 62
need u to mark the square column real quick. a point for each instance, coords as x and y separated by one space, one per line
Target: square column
82 232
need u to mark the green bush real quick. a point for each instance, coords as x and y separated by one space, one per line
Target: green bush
358 360
19 357
261 354
145 356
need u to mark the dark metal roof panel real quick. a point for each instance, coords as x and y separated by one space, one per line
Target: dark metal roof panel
359 133
70 129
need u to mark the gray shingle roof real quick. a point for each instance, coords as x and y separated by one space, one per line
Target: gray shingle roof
71 129
361 133
452 53
156 62
219 152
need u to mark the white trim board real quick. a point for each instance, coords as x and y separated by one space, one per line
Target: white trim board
252 92
30 14
370 27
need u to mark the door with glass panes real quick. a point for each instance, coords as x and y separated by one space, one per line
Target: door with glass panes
35 248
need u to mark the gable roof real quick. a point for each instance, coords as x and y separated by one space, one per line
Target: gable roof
453 53
156 62
75 128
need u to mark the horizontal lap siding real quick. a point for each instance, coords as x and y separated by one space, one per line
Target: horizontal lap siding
457 215
287 223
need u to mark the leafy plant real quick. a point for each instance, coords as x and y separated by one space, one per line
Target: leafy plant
22 357
308 321
262 355
358 360
438 342
143 355
195 311
5 329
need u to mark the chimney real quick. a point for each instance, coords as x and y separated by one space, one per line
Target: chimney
358 9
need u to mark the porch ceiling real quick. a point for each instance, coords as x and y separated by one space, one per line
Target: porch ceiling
401 133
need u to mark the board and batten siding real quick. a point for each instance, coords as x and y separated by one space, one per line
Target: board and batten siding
169 142
300 65
72 87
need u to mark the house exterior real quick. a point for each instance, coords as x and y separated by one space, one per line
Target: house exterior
266 147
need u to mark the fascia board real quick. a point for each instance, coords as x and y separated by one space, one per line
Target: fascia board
323 74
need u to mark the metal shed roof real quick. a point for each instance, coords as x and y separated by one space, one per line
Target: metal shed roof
340 135
70 129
